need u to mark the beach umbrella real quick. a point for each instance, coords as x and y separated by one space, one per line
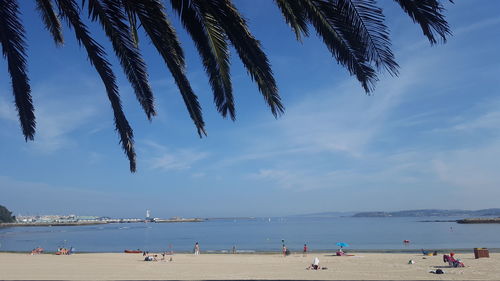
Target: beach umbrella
342 244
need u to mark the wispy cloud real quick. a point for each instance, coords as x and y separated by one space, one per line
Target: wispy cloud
338 120
7 111
488 22
61 110
172 159
56 123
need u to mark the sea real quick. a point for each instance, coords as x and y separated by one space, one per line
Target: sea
258 235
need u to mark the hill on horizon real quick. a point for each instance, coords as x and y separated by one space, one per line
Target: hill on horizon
432 213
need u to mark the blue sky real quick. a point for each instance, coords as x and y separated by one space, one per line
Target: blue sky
429 138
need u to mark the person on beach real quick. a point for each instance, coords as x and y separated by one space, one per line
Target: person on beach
304 254
315 264
150 258
196 249
284 251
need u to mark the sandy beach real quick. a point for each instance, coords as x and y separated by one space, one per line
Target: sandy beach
362 266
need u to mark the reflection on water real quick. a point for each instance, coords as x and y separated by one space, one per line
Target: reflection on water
256 235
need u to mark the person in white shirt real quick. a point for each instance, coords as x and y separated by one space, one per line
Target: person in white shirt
315 264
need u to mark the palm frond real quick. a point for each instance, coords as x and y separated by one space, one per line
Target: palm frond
152 16
249 51
339 38
96 54
295 16
210 40
112 18
51 20
132 19
367 24
13 49
429 15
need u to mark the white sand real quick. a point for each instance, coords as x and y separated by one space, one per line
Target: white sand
106 266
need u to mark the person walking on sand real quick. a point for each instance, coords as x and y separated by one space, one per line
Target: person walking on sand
304 254
196 249
284 251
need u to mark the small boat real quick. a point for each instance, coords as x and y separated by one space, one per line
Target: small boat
133 251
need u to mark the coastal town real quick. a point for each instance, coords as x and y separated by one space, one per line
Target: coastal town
63 220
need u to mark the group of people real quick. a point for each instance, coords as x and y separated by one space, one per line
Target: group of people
37 251
64 251
148 257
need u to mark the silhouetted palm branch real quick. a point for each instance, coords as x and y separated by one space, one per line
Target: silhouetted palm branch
353 31
13 49
249 51
152 16
112 18
338 36
96 55
367 26
427 13
51 20
295 16
210 40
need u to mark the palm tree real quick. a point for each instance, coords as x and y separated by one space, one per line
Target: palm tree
353 30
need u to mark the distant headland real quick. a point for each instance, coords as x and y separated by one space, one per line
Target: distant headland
432 213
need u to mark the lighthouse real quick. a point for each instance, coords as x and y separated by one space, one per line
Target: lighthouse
148 215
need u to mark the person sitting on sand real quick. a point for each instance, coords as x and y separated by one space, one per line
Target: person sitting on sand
37 251
150 258
315 264
452 261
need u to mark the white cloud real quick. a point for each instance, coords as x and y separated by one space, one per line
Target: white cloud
167 159
488 120
338 120
56 122
470 169
61 109
488 22
7 111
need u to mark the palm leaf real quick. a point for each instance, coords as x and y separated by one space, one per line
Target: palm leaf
13 49
210 40
51 20
295 16
428 14
249 51
152 16
367 25
338 36
96 54
111 16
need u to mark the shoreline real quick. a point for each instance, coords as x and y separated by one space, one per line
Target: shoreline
82 223
326 251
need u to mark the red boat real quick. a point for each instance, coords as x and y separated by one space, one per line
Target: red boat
133 251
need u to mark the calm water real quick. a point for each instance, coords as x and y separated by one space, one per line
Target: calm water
256 235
